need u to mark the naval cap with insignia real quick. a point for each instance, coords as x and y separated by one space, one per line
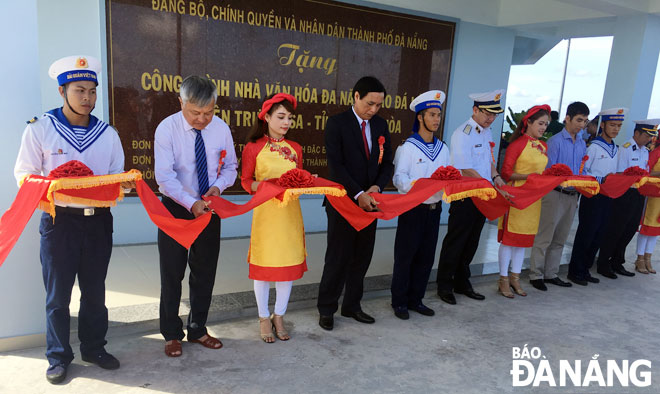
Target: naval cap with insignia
650 126
75 68
489 101
426 100
613 114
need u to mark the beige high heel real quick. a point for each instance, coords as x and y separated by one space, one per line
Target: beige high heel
503 287
515 284
647 260
278 325
640 265
266 330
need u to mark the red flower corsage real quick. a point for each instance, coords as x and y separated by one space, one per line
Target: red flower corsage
381 142
296 178
448 173
558 169
69 169
223 154
584 160
636 171
492 151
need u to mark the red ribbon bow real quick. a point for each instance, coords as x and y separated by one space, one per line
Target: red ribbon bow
381 142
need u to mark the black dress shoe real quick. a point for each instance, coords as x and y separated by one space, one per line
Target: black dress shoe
591 279
557 282
470 293
577 281
104 360
422 309
622 271
360 316
401 312
448 298
607 274
538 284
327 322
56 373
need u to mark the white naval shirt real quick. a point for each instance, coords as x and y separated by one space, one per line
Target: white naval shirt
43 149
416 159
470 148
175 163
602 159
631 155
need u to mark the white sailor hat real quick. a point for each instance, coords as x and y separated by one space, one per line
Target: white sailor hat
430 99
489 101
618 114
650 126
426 100
75 68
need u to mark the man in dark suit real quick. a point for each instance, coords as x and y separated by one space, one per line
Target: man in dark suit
353 150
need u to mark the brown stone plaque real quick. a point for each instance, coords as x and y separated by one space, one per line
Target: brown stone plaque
313 49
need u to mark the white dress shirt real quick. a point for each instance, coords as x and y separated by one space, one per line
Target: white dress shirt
470 148
416 159
175 162
367 133
43 148
631 155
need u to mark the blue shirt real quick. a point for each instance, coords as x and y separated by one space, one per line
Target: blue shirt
562 149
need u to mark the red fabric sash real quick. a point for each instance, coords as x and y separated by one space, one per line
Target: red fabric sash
617 184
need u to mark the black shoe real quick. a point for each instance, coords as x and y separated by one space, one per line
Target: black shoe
591 279
557 282
401 312
56 373
104 360
448 298
360 316
581 282
538 284
622 271
327 322
607 274
422 309
470 293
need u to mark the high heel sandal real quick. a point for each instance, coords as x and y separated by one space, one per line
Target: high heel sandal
647 260
280 333
515 284
503 287
266 330
640 264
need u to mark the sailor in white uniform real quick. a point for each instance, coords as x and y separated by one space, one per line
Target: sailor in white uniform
417 230
78 242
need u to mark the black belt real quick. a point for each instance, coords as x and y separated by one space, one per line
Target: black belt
564 191
81 211
430 207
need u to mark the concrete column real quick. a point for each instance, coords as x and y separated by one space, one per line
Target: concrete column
631 72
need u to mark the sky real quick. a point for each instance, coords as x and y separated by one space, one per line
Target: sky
540 83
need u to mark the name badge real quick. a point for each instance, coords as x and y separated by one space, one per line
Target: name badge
478 146
634 159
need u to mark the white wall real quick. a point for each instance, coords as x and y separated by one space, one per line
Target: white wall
21 286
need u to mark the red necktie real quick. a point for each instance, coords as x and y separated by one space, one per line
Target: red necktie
364 138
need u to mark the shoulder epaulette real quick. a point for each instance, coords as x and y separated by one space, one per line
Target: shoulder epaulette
467 129
32 120
627 144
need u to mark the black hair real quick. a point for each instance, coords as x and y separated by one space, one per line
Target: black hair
554 115
368 84
577 108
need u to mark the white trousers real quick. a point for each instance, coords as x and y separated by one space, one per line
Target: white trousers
512 254
282 291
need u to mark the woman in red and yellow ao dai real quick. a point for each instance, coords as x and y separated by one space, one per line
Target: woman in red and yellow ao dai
650 226
516 229
277 243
